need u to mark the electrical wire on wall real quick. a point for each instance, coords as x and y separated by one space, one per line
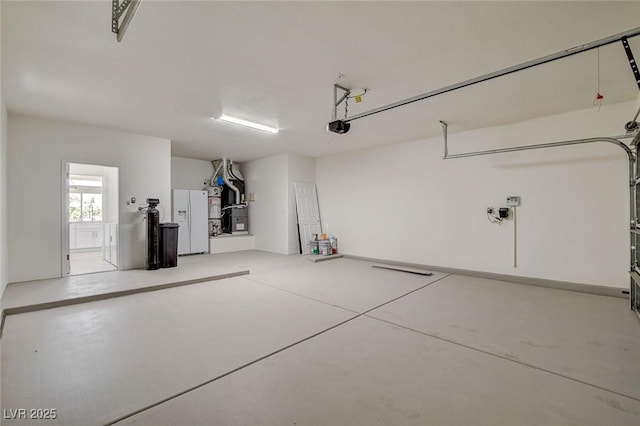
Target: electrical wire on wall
492 218
499 220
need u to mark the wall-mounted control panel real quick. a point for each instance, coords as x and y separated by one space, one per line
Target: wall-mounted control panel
513 200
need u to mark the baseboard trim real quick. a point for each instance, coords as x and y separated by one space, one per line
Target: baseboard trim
540 282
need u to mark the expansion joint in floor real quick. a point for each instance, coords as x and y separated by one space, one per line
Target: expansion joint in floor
503 357
256 281
262 358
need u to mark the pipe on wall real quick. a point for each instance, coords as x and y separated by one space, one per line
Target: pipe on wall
227 180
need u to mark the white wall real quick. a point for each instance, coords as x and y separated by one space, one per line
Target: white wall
267 178
4 253
3 186
404 202
272 217
37 150
189 174
300 169
3 189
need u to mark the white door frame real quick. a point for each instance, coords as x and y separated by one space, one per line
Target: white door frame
65 264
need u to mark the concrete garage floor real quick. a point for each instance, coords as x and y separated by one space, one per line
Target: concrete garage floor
334 342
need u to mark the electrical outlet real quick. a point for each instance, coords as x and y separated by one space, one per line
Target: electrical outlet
513 200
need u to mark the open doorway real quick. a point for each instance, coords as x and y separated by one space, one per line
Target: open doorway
91 210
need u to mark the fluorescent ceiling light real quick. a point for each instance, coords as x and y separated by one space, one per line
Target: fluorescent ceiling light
248 124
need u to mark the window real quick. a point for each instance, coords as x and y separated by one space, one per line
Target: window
85 198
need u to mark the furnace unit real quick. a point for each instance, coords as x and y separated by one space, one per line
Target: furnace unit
235 219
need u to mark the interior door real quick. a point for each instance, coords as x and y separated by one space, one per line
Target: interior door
308 213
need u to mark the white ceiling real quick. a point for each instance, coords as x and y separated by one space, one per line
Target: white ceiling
181 63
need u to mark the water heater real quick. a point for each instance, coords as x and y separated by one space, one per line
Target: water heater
215 210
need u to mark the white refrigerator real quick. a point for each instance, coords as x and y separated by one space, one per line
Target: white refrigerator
191 212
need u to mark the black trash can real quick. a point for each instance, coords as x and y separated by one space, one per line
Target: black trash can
168 245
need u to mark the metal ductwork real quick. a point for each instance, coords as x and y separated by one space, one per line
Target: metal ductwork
227 180
235 215
216 170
